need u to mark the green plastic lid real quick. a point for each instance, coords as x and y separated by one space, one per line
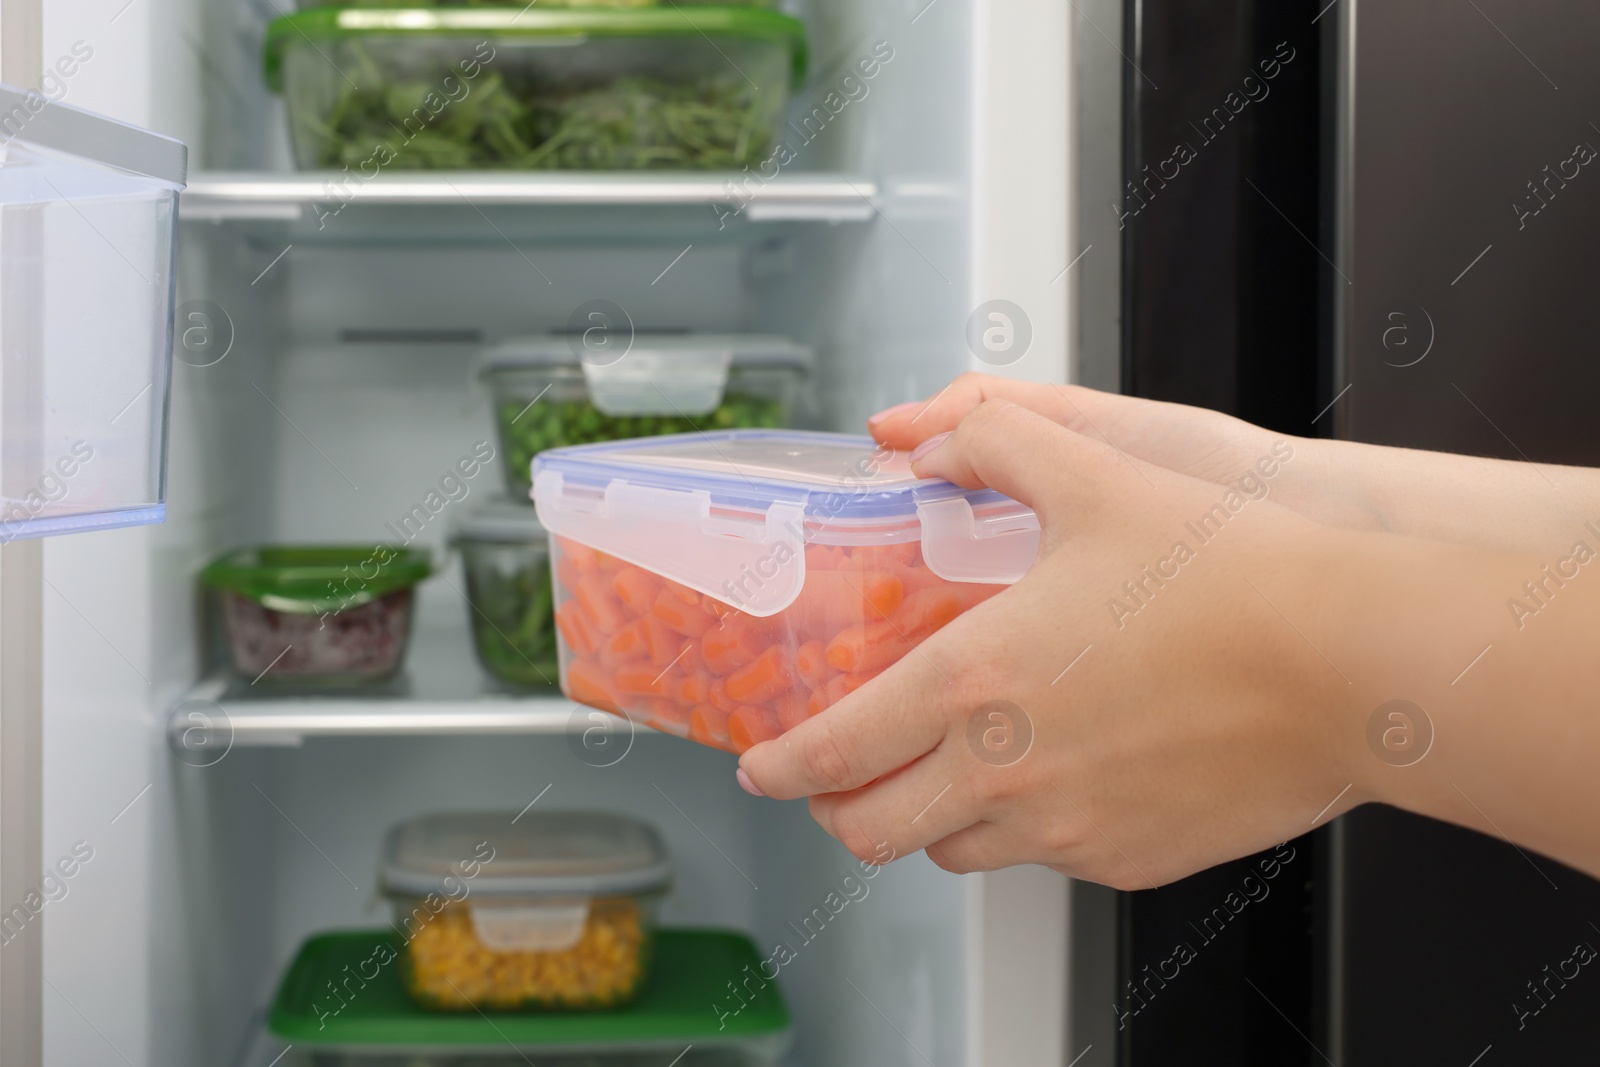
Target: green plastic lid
331 23
685 1000
313 579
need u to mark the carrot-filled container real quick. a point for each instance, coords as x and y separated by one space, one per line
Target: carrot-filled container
726 586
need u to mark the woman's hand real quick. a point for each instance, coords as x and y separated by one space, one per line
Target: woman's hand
1146 702
1340 483
1192 672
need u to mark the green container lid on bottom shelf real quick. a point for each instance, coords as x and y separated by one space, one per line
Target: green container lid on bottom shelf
686 1000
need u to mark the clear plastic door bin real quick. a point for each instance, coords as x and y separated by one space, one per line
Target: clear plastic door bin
88 223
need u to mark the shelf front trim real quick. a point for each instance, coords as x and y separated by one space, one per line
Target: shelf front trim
220 195
206 721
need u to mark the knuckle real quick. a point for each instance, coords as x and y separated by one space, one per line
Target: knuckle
827 761
972 381
1063 837
856 840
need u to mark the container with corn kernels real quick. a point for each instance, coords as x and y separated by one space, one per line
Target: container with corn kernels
512 912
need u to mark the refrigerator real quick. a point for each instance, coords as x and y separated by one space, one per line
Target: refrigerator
322 385
1388 242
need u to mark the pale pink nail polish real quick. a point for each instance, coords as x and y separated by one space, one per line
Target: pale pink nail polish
746 784
898 409
929 445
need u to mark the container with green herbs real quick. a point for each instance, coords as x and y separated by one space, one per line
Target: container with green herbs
551 391
510 605
517 87
631 5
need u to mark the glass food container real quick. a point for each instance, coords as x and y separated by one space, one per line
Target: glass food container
511 912
510 602
317 615
518 87
726 586
605 385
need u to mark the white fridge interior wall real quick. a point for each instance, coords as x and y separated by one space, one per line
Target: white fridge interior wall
205 879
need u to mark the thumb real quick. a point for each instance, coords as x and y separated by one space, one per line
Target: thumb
1003 446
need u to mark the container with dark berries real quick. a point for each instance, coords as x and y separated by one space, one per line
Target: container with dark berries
317 615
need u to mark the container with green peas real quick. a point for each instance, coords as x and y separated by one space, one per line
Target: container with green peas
544 395
510 604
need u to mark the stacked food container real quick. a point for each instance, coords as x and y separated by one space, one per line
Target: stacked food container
476 85
608 85
528 934
580 388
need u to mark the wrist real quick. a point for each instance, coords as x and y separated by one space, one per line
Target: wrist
1409 622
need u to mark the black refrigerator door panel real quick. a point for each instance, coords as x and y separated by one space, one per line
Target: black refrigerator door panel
1223 307
1470 322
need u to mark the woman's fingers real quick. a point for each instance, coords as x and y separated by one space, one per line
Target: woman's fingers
911 808
879 728
1088 411
907 425
1064 476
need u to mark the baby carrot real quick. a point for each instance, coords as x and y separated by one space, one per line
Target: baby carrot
719 698
568 574
630 642
663 644
642 680
927 610
810 660
834 691
751 725
792 710
586 683
869 647
684 618
576 630
883 593
692 689
602 608
636 588
668 717
732 645
761 680
708 725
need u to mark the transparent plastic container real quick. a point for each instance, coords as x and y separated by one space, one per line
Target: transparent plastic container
626 5
604 384
724 587
514 912
519 87
511 604
667 1056
317 616
88 222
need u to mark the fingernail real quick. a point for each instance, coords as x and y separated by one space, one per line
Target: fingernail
898 409
746 784
929 445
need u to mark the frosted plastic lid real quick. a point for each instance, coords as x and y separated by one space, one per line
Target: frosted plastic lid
501 519
534 854
729 513
557 350
649 373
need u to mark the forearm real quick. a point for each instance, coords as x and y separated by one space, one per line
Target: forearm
1465 500
1500 655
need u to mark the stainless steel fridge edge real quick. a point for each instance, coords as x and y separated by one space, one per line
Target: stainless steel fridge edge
1343 254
